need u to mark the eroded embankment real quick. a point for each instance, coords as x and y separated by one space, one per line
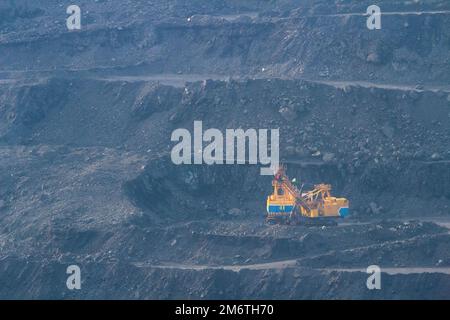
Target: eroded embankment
123 281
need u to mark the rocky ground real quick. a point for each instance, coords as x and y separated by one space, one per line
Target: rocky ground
85 171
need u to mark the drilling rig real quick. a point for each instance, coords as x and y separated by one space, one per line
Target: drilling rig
289 205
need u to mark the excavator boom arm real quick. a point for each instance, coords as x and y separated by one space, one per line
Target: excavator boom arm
283 180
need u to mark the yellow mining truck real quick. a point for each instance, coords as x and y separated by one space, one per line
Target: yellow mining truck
289 205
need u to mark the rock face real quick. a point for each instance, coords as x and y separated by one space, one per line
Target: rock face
86 120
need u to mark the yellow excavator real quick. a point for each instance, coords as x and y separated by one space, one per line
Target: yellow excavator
289 205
